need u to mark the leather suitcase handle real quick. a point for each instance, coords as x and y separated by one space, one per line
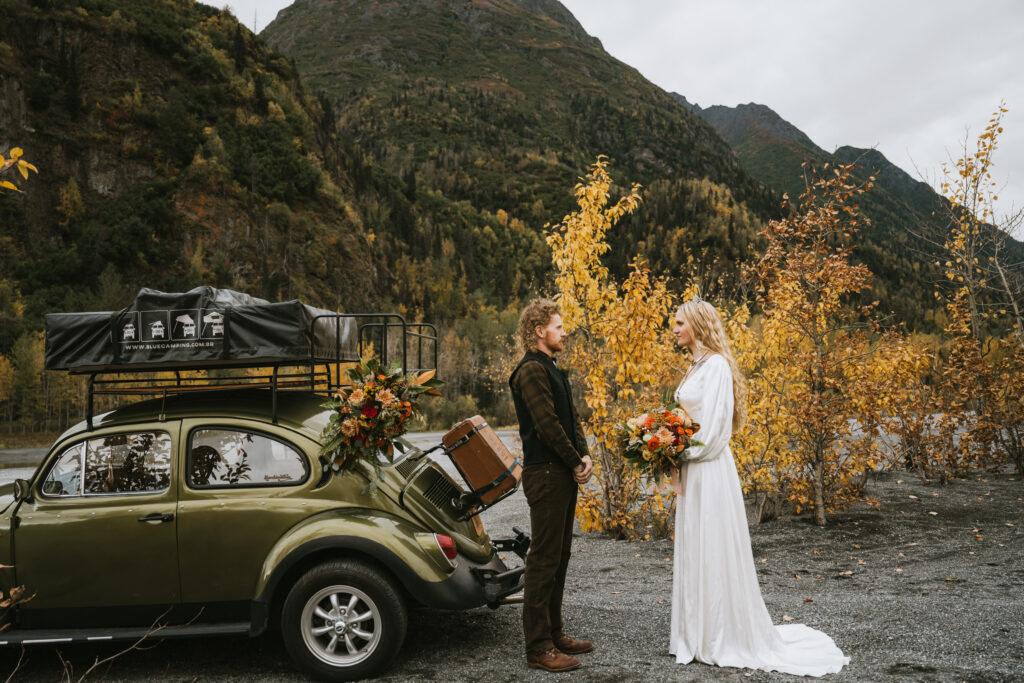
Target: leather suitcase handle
464 439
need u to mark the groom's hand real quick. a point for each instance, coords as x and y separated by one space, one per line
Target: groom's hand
583 471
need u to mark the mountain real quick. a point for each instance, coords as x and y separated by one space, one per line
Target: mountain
772 150
505 103
412 164
899 207
769 147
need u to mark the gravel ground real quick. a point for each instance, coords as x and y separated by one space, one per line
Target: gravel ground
928 588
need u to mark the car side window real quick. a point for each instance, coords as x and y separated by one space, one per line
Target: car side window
65 477
225 457
128 463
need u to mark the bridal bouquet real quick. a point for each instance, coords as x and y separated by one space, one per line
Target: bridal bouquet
371 413
655 442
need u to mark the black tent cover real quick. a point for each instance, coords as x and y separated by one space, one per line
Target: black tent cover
203 327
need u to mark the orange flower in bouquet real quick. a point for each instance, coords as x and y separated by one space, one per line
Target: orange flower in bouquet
656 441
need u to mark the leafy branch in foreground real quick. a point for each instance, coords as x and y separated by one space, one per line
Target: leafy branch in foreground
14 160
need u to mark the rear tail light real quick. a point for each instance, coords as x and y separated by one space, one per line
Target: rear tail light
447 546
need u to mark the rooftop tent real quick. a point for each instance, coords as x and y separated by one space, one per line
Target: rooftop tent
203 327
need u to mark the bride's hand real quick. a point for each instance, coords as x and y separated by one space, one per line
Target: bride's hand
677 485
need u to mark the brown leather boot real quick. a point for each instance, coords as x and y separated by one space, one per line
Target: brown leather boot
571 646
553 661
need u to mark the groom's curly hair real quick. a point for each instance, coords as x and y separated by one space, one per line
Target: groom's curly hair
538 313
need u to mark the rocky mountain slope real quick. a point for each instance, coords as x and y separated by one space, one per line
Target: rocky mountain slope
504 104
900 208
174 149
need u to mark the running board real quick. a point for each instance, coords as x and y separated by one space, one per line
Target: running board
92 635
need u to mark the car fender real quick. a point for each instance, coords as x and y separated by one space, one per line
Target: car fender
409 553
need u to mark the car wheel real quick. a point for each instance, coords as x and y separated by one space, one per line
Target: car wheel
343 620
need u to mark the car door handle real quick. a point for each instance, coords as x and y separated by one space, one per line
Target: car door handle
158 517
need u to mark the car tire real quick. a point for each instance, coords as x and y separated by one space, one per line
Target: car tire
343 620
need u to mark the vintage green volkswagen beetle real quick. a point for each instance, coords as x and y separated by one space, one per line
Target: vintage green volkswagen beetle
212 511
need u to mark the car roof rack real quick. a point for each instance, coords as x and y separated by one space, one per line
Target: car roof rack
388 336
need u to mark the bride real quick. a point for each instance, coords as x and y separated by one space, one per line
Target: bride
718 616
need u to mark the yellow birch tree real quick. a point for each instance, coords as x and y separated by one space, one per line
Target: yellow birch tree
619 344
826 429
981 395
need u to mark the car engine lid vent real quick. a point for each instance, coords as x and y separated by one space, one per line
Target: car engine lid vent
441 492
407 466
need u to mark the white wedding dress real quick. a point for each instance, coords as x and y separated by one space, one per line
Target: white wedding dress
718 616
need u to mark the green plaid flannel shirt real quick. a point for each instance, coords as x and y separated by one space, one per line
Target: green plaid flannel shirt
533 385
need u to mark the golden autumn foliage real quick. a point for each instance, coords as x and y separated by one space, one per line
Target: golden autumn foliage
823 379
903 371
620 348
13 160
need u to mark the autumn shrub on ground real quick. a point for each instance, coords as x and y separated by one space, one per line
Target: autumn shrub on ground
814 413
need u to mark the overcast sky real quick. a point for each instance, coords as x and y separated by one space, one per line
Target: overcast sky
910 77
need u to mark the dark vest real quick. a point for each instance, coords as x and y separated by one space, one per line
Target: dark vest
535 451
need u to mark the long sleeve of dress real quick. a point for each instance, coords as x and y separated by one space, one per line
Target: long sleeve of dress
716 411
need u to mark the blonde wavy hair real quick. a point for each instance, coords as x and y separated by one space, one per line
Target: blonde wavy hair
706 327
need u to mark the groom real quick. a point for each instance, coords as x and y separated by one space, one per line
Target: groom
556 460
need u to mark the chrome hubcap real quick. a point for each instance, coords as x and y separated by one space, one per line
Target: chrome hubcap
341 625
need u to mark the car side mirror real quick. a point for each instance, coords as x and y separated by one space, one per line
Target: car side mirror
22 490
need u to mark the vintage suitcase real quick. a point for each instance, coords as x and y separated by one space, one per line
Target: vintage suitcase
489 469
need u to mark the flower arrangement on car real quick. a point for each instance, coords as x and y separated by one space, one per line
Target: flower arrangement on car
655 442
372 412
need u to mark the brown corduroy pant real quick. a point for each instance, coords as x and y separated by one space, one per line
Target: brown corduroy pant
551 494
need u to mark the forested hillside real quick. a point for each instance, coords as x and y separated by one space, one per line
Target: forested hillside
504 104
900 208
176 149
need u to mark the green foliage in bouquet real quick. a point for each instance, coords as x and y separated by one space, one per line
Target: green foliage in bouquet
371 413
